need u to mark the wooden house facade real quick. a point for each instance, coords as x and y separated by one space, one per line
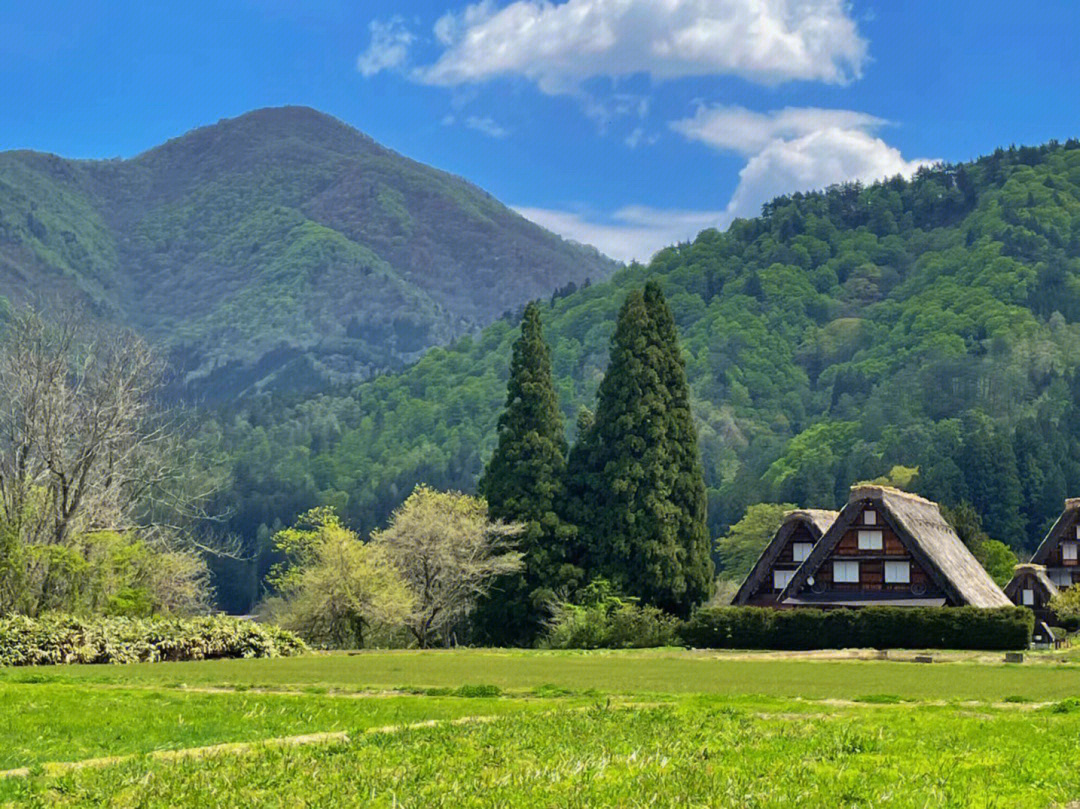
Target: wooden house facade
890 547
1031 587
789 548
1060 548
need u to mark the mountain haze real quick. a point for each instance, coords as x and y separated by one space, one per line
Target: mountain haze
280 249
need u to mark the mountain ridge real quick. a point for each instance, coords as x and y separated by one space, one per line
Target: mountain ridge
280 248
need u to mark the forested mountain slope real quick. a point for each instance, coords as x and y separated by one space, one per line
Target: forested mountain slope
281 249
931 323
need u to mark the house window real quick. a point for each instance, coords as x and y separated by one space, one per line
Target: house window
897 573
780 578
1062 578
801 550
1029 598
1068 551
869 517
845 572
1078 532
870 541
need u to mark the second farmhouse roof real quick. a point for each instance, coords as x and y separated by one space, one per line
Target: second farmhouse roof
1036 572
926 534
817 521
1058 531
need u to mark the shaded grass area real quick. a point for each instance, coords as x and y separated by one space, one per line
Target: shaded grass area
667 671
50 723
697 752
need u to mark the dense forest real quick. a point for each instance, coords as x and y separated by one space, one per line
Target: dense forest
929 324
280 250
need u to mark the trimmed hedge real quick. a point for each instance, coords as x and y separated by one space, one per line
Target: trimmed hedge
870 627
64 639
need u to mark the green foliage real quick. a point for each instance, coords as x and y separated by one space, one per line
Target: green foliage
822 348
638 497
524 483
996 557
59 639
877 627
741 546
332 589
603 620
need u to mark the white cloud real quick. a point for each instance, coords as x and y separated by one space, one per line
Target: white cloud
487 126
795 149
813 161
741 130
559 45
634 232
389 48
787 150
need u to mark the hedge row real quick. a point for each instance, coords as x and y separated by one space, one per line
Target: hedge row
870 627
62 639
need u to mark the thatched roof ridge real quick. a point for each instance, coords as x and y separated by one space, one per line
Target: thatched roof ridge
1038 572
817 520
1065 520
927 535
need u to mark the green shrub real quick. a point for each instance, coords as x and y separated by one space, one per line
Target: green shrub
605 620
63 639
876 627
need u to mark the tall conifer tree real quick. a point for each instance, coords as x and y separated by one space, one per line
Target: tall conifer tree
523 482
689 494
639 494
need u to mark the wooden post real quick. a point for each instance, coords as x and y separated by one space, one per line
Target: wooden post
1014 657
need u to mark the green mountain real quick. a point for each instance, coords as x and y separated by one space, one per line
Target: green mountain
281 249
931 323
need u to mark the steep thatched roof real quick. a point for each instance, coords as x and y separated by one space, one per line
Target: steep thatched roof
1038 573
816 520
1058 531
928 537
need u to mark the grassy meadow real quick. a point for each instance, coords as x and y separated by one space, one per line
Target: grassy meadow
513 728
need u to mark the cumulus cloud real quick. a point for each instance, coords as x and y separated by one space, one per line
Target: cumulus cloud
741 130
559 45
787 150
389 48
632 233
795 149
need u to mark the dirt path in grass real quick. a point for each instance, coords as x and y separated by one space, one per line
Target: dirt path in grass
60 767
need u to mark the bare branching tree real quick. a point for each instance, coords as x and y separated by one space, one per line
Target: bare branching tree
84 445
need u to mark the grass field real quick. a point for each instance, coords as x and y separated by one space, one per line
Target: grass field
656 728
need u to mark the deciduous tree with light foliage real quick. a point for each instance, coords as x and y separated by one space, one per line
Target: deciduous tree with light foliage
332 588
449 552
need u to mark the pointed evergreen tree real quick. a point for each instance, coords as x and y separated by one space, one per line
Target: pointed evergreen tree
523 482
688 495
638 490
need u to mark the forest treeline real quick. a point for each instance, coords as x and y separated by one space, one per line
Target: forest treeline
929 324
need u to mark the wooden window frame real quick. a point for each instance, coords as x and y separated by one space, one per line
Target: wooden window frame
895 566
868 533
846 565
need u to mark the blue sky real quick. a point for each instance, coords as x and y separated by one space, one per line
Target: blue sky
625 123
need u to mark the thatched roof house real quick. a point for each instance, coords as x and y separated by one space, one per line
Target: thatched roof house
1031 587
1060 548
790 546
891 547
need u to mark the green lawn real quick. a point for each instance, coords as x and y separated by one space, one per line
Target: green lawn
651 728
653 671
47 723
704 753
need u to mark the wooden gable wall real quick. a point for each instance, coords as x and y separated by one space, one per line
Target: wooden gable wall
766 592
872 563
